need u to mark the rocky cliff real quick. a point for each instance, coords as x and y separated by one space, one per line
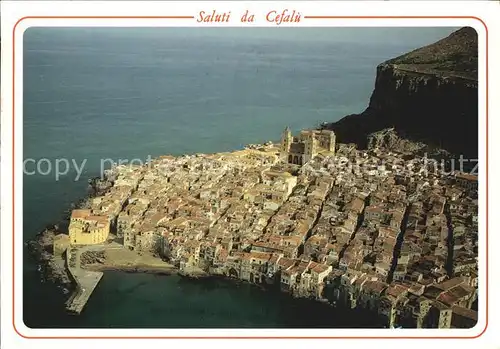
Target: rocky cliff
428 95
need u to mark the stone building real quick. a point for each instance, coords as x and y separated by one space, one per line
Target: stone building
86 228
466 181
299 150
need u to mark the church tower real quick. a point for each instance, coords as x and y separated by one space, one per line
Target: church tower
310 147
332 142
286 141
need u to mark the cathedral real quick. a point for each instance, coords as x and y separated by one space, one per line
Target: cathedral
299 150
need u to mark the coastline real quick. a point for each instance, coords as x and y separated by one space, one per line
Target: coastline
51 269
115 254
87 263
397 241
130 269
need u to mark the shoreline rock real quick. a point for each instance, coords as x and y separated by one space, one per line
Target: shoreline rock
40 247
50 268
60 277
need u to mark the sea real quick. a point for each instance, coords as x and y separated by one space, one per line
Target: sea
93 96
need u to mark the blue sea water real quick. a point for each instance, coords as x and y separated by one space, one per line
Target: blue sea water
129 93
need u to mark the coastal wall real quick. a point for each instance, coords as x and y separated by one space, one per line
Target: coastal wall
77 287
85 282
52 268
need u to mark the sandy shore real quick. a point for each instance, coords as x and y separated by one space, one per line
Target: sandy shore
133 269
122 259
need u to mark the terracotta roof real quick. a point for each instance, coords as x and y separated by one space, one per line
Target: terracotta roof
465 312
466 176
433 292
274 258
375 286
416 289
460 291
286 263
446 285
396 290
260 255
356 204
98 219
440 306
447 298
223 253
80 214
316 239
290 271
320 268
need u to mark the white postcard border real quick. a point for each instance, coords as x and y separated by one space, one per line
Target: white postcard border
12 12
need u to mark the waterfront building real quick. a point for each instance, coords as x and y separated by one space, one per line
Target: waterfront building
87 229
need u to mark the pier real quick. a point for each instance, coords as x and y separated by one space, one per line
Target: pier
86 285
86 281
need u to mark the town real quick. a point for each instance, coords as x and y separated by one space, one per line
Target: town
369 229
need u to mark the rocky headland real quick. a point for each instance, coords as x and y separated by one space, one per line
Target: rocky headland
429 95
51 269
